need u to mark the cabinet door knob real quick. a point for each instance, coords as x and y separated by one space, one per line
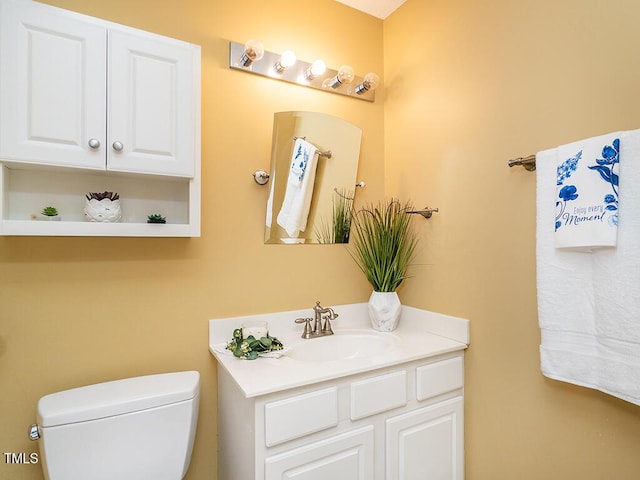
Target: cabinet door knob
117 146
94 143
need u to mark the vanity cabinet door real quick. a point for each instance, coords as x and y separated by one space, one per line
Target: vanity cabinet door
427 443
346 456
52 86
152 113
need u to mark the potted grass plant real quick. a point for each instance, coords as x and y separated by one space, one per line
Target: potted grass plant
383 247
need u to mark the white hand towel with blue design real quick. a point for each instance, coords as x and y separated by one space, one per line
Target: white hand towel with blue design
588 302
587 193
297 197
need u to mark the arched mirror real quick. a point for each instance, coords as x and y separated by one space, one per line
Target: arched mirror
319 189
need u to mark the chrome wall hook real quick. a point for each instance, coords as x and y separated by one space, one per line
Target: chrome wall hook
426 212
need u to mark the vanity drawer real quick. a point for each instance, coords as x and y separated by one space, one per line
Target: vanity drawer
378 394
348 455
439 377
301 415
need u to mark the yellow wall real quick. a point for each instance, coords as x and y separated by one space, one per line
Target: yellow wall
468 85
493 81
75 311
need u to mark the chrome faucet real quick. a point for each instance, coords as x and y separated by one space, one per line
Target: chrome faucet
319 329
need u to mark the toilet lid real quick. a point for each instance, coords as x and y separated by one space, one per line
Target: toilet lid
116 398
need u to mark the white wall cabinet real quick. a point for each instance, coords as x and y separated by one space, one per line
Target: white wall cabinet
80 94
397 423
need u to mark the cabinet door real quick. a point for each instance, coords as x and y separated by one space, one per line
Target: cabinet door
347 456
427 444
152 104
52 86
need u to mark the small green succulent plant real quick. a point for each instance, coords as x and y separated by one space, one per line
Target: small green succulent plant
156 218
49 211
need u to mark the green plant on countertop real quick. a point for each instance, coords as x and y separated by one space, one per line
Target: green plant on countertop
49 211
250 347
384 243
156 218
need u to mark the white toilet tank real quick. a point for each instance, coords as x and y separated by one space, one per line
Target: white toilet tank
133 429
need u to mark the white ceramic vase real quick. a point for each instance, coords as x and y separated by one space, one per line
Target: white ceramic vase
384 311
105 210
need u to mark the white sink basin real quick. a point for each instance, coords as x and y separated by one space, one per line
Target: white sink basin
343 345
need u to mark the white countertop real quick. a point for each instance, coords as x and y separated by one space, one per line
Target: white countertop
420 334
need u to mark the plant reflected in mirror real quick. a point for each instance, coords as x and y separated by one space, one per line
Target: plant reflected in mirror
337 228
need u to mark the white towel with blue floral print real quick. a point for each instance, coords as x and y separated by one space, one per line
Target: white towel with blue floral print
299 191
588 302
588 181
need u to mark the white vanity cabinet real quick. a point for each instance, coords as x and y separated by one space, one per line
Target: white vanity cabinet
81 95
396 423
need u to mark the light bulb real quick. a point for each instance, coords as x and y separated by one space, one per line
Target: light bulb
317 68
287 59
253 51
343 77
370 82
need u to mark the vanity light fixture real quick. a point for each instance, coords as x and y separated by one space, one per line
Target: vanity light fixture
343 77
287 59
316 69
253 51
251 57
369 83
